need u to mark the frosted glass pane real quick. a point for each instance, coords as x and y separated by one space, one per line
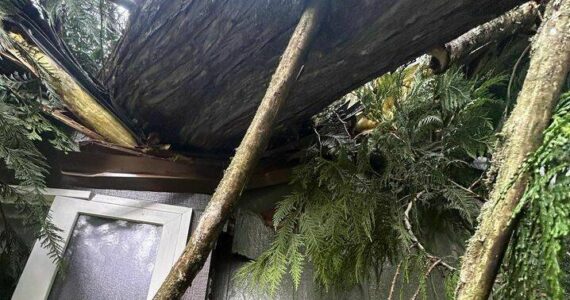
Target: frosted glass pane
108 259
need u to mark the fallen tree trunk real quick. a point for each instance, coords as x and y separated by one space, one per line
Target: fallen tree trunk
456 51
195 71
549 66
247 155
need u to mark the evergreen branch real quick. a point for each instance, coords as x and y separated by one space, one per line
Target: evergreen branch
22 124
344 215
394 280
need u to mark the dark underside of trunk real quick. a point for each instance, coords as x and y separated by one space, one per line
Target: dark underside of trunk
195 71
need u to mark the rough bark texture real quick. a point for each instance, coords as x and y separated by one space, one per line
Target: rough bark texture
549 66
513 21
248 154
195 71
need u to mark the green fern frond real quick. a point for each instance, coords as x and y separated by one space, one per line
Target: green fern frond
453 91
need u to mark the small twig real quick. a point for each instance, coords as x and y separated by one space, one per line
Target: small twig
363 133
468 190
511 80
393 286
416 242
397 137
343 124
476 182
408 224
437 262
320 142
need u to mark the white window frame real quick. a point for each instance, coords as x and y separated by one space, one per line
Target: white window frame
40 270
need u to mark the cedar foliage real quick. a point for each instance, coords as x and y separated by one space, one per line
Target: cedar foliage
90 32
23 125
345 213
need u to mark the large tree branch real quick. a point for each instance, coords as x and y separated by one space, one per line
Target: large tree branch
523 133
246 157
497 29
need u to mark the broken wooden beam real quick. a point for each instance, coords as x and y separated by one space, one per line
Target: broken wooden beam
69 122
247 156
79 102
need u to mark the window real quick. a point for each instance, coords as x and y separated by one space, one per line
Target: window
114 248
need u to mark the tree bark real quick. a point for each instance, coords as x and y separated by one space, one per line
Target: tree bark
523 133
515 20
247 155
195 71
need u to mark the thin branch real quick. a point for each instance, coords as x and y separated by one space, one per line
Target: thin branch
477 196
437 262
511 80
393 286
416 242
343 124
476 182
408 224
